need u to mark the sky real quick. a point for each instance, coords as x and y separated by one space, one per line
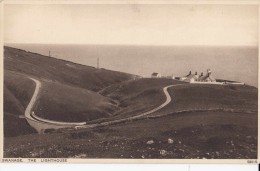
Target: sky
216 25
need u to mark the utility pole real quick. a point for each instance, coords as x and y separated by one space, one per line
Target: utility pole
97 63
49 53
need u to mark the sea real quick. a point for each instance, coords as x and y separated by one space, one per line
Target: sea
227 62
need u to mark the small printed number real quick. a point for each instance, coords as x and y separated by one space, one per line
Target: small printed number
251 161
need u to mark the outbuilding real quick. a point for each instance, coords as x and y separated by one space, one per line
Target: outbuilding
156 75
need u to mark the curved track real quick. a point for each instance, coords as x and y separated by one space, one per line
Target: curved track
34 120
167 101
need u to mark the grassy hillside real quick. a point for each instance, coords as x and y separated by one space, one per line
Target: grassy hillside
206 97
133 87
11 104
209 134
68 94
193 135
61 102
65 94
15 126
56 101
62 71
17 93
137 96
19 86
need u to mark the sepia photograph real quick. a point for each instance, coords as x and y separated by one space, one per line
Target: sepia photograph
130 81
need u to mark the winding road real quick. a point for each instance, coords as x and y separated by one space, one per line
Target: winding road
28 109
41 124
167 101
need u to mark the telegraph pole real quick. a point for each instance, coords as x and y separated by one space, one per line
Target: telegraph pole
97 63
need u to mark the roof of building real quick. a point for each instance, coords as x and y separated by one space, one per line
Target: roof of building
155 74
190 76
207 78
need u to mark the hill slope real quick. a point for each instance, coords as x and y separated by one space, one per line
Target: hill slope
61 71
194 97
61 102
219 135
17 94
137 96
67 92
193 133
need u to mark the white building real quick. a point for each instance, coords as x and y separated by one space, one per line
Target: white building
190 77
156 75
207 78
193 78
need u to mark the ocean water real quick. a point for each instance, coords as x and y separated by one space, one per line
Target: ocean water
232 63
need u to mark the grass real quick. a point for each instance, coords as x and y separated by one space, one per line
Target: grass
141 95
62 71
195 135
19 87
67 94
137 96
133 87
60 78
11 104
17 93
15 126
196 97
61 102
